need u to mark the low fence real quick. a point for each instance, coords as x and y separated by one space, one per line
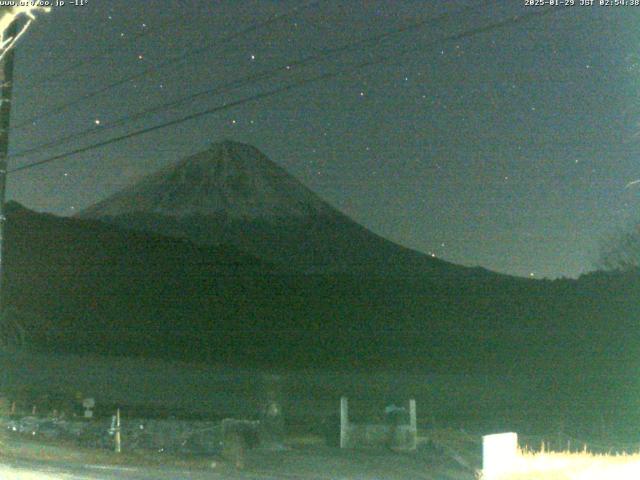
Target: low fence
171 436
400 436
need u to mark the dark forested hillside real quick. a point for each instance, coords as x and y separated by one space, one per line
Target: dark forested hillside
85 286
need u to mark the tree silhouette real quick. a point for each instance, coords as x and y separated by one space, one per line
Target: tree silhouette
622 251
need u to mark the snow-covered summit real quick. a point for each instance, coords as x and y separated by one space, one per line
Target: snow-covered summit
230 179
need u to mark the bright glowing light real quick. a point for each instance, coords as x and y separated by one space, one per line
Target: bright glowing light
574 466
499 454
503 460
7 17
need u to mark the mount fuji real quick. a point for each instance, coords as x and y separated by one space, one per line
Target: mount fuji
232 194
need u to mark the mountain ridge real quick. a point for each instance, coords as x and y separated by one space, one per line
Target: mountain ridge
234 194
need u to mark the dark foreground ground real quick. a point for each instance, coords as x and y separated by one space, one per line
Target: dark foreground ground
602 407
25 459
448 405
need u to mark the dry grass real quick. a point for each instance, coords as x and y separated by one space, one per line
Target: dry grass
572 466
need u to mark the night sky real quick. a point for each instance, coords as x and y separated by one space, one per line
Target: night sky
511 148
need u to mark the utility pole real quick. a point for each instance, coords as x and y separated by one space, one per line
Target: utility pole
6 90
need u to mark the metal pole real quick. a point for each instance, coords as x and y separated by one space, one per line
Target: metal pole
344 422
117 432
6 72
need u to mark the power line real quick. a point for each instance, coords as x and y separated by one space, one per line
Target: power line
468 33
153 68
104 52
232 85
39 80
300 83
